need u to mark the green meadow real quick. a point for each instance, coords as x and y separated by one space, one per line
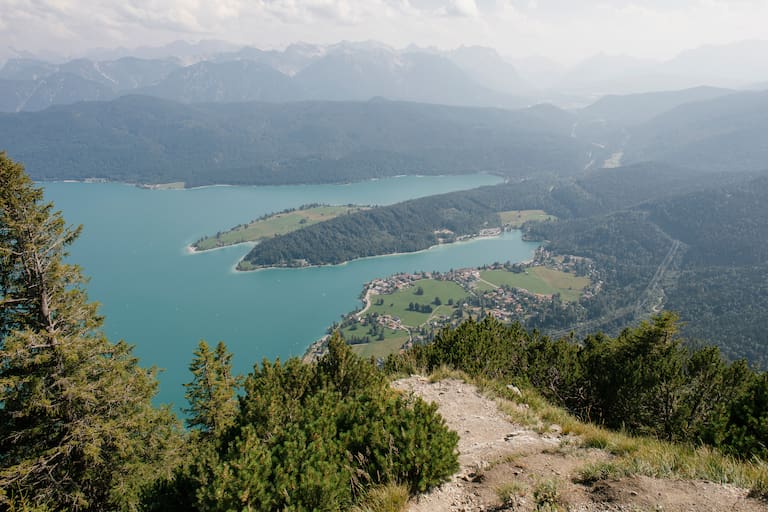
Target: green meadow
543 280
396 304
273 225
516 218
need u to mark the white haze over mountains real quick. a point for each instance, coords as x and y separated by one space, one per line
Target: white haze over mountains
505 53
565 31
472 75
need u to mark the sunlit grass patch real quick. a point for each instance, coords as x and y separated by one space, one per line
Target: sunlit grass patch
385 498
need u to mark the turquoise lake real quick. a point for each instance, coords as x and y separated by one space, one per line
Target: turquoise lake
158 297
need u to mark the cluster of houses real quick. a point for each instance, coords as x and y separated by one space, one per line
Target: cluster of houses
505 304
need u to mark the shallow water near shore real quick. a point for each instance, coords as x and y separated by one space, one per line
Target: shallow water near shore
163 300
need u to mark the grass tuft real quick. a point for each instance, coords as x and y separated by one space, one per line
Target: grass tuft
445 372
598 471
385 498
511 492
546 496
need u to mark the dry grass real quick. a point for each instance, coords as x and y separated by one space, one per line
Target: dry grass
445 372
631 455
546 496
385 498
510 491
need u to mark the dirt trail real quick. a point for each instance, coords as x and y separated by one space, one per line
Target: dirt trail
503 459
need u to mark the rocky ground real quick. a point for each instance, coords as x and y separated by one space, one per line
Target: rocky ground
506 466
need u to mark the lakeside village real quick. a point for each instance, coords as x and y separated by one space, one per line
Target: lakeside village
406 309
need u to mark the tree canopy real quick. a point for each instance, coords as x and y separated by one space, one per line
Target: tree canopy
77 427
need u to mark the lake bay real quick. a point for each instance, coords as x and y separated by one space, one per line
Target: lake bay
158 297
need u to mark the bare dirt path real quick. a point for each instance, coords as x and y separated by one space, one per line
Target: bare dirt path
506 466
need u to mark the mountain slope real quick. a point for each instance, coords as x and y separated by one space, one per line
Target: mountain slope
486 67
727 133
410 76
138 138
30 85
638 108
225 82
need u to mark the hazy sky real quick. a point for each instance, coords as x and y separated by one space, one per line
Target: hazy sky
565 30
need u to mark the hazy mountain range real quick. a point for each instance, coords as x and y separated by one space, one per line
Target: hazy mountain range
214 71
145 139
342 72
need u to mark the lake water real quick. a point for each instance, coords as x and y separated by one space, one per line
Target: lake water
158 297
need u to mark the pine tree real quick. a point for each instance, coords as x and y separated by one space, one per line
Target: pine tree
211 394
77 428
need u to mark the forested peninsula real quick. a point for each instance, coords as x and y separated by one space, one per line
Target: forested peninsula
408 226
405 227
421 223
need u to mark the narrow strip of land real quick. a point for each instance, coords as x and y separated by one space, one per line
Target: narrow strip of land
274 224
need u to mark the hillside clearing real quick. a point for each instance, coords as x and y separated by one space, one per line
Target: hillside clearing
514 219
541 280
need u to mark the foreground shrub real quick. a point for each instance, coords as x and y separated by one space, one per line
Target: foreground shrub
320 437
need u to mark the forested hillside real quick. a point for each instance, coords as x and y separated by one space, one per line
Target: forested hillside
722 134
700 253
722 289
633 109
142 139
78 430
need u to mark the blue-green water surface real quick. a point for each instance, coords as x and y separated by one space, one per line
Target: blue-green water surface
162 299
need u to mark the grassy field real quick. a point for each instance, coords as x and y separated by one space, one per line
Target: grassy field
277 224
546 281
396 304
377 349
516 218
360 331
176 185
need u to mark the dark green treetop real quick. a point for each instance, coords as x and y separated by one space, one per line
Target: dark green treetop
212 393
77 427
